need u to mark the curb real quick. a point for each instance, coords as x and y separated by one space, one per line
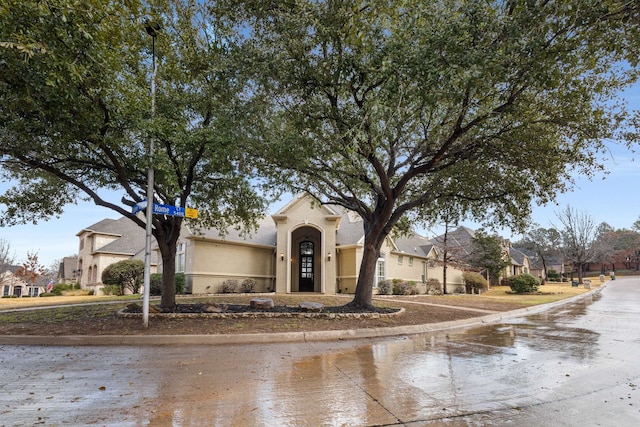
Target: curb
282 337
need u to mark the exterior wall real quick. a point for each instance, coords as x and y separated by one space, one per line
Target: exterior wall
348 267
210 263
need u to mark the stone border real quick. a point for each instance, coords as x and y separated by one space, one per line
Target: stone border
265 314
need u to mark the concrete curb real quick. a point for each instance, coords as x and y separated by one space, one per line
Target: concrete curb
281 337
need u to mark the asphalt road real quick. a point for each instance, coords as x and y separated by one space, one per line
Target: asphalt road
577 365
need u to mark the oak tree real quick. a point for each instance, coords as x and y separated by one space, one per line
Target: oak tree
391 109
76 115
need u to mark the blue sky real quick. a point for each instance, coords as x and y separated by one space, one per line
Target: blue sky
614 199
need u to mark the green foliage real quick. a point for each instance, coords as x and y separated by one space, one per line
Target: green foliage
553 275
524 283
112 290
89 63
395 114
474 282
59 288
155 287
127 274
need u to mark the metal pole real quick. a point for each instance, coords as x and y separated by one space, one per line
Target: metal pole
150 178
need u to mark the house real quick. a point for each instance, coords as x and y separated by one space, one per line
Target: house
68 272
12 285
107 242
458 245
303 247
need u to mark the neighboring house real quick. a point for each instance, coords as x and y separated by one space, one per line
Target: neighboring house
459 246
520 262
13 285
105 243
68 272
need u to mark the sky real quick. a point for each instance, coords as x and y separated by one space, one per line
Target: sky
613 198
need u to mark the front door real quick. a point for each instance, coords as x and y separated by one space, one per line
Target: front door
306 266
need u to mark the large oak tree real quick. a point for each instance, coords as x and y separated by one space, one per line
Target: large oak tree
391 109
75 114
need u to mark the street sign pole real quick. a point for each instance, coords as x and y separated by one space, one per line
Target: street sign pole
152 31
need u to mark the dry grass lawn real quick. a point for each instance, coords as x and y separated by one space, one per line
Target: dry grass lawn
94 315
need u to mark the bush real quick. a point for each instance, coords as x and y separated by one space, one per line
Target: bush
59 288
248 286
229 286
385 287
401 287
112 290
553 276
474 282
127 274
155 282
433 287
524 283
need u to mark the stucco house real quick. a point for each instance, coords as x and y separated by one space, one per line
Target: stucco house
303 247
104 243
12 285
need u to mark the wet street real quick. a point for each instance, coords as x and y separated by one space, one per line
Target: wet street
577 365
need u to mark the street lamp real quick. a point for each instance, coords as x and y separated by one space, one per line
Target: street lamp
152 29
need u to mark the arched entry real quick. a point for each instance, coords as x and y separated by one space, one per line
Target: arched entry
306 267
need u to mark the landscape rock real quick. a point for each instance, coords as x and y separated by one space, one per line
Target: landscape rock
311 306
261 303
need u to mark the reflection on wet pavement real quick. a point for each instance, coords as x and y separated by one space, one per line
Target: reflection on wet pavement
574 365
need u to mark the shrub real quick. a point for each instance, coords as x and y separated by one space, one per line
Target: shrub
523 283
127 274
474 282
385 287
433 287
248 286
112 290
155 282
180 283
59 288
401 287
229 286
553 276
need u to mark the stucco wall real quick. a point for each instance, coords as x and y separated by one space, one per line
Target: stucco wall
212 263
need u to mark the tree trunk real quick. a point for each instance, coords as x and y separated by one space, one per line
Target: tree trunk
167 232
374 236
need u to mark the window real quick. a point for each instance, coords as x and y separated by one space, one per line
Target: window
5 290
400 259
410 261
82 243
380 274
181 257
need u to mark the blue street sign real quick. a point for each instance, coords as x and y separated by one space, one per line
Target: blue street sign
159 209
167 210
139 206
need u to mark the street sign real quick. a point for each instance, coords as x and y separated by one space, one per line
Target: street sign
191 213
170 210
138 207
